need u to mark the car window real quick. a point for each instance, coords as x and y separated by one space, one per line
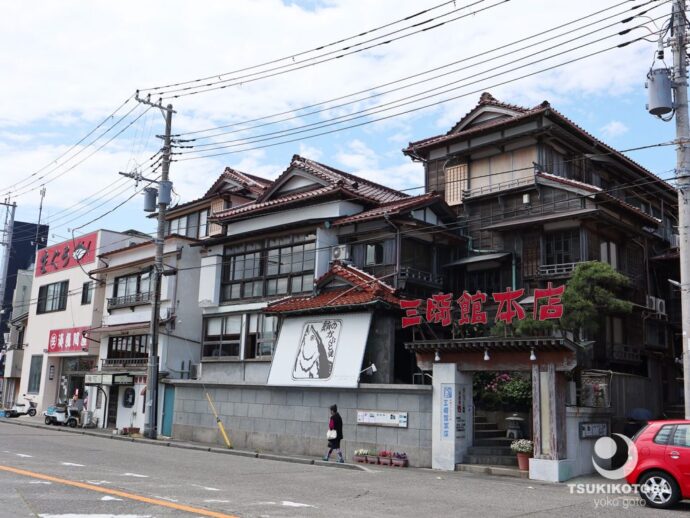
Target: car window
639 432
663 434
681 437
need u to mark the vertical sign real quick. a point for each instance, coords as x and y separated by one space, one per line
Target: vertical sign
447 397
461 414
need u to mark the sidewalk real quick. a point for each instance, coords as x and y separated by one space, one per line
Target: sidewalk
37 422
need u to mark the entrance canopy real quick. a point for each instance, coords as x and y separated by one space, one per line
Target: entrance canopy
496 353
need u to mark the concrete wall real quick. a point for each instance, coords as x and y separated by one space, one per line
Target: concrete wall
294 420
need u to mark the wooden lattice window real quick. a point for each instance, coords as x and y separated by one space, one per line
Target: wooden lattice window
456 183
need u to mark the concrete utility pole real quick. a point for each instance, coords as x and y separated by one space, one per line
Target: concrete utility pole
680 85
38 226
150 429
7 244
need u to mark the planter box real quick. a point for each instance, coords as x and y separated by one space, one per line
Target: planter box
130 430
385 461
360 458
402 463
372 459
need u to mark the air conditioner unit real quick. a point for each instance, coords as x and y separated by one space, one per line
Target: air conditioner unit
651 302
195 371
340 253
661 306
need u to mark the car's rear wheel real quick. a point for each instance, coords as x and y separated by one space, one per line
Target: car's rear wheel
659 489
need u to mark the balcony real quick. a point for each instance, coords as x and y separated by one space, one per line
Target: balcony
127 301
500 186
420 277
556 270
116 364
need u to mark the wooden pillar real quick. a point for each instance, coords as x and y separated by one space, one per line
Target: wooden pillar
548 412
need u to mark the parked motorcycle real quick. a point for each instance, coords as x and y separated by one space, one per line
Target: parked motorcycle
62 415
19 409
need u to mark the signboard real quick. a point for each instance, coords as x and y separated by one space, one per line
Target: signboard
98 379
69 340
447 397
376 418
323 351
594 430
438 308
69 254
122 379
461 413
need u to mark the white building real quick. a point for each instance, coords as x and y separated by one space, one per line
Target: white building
118 391
65 303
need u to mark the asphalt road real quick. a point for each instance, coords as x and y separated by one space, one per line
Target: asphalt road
50 474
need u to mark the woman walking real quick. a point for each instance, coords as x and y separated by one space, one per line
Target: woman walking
334 434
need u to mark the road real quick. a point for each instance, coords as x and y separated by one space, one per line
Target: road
49 474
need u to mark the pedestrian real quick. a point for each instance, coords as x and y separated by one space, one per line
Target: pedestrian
334 434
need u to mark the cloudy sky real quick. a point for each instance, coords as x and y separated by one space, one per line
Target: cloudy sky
69 65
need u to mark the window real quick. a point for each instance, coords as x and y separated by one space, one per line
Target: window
222 336
456 183
663 434
86 293
609 253
194 225
35 374
132 285
486 281
681 437
562 247
374 254
261 335
278 266
203 223
136 346
52 297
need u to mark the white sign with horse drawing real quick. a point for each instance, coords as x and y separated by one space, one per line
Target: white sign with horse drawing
320 351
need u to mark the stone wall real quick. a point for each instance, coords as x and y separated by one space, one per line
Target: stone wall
294 420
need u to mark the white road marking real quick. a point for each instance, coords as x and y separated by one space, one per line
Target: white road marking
134 475
72 464
287 503
108 498
98 482
206 488
94 515
23 455
165 498
40 482
214 501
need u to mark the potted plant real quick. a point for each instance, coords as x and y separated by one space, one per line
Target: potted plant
360 456
399 459
372 457
523 448
385 457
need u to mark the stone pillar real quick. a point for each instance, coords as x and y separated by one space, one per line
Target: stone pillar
452 416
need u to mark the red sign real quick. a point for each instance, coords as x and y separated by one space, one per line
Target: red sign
547 305
81 250
71 340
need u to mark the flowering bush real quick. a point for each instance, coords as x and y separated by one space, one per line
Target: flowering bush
502 391
400 455
522 446
362 453
385 453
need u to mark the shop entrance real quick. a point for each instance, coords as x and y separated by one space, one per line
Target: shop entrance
74 370
111 417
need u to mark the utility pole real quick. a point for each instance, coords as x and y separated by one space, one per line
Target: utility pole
680 84
150 429
7 244
38 226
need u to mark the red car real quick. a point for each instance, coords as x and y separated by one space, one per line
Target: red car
663 466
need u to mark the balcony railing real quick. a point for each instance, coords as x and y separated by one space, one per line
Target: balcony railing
559 269
412 274
134 299
500 186
124 363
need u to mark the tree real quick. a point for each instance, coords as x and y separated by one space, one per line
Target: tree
591 292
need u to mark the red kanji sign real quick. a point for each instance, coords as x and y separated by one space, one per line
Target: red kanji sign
438 309
553 307
70 340
411 307
471 308
80 250
508 306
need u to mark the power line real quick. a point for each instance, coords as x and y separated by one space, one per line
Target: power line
316 49
400 80
241 80
398 102
412 110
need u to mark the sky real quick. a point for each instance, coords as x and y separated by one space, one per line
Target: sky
69 65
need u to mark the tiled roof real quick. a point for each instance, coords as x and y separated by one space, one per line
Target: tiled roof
254 184
486 99
525 113
391 208
364 290
338 183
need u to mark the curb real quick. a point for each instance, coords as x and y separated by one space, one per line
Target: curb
185 446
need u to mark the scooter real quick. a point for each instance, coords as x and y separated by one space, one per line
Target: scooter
56 415
19 409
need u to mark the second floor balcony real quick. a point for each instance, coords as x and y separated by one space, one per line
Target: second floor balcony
131 300
129 364
556 270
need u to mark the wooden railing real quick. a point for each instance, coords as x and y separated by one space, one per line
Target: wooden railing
124 363
129 300
557 269
500 186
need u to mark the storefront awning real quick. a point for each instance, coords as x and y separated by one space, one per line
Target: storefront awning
320 351
130 326
478 259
